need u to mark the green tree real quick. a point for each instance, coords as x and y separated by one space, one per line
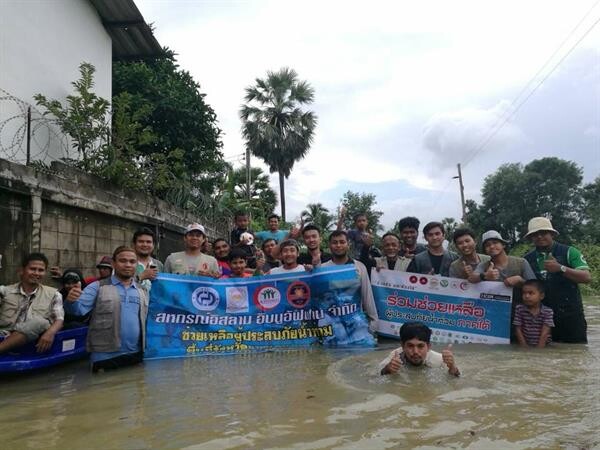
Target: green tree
317 214
84 118
591 212
514 194
274 126
263 198
450 226
361 203
113 153
181 121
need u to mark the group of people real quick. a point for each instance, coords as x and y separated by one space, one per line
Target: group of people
114 305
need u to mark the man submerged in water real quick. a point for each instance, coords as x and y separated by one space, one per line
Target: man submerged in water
415 350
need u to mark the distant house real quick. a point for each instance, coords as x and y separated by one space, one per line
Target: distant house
42 44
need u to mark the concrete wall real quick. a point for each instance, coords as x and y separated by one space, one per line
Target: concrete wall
42 44
75 219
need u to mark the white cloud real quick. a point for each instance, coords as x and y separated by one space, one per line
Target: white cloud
460 135
399 85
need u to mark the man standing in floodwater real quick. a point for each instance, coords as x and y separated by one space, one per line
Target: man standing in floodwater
119 307
561 268
415 351
339 247
436 260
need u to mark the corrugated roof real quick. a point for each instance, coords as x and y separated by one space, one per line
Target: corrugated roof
131 36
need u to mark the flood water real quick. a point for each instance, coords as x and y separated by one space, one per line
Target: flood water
507 398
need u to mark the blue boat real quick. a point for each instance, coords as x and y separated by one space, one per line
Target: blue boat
68 345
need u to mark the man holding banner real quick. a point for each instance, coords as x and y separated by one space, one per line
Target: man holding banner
339 248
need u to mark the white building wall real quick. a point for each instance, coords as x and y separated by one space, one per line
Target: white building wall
42 44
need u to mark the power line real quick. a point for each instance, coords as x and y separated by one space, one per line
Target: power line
510 114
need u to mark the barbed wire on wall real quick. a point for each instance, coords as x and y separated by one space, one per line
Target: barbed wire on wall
26 135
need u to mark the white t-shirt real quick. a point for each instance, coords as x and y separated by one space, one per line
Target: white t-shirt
433 359
183 264
278 270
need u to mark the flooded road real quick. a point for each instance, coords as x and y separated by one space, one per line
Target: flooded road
507 398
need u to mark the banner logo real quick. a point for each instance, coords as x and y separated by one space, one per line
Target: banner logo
267 297
205 299
237 299
298 294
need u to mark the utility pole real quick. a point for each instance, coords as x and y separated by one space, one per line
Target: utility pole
248 175
462 193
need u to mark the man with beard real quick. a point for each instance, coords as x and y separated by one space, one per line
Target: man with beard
119 306
311 235
339 247
463 267
561 268
409 232
192 261
415 351
436 260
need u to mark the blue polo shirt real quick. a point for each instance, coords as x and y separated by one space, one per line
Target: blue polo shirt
130 316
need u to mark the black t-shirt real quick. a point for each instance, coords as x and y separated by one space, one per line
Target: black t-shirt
436 262
306 258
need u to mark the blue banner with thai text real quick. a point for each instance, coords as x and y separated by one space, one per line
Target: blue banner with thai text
195 316
457 311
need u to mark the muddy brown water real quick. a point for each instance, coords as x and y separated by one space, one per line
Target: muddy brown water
507 398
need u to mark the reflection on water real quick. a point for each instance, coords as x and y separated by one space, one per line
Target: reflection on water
507 398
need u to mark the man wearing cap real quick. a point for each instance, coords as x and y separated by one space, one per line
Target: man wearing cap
192 261
511 270
119 307
561 268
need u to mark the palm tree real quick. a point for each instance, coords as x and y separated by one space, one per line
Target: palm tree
275 127
263 198
319 215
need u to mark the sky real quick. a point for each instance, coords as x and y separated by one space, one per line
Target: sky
404 91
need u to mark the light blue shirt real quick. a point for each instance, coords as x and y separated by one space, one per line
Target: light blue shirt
278 235
130 316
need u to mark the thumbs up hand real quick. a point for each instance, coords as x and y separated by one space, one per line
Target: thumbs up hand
74 293
551 264
468 269
448 358
394 365
492 274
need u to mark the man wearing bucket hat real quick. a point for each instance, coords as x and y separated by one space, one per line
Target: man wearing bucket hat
192 261
561 268
511 270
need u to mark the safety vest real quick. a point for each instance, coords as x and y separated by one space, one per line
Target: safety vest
12 300
104 333
562 294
